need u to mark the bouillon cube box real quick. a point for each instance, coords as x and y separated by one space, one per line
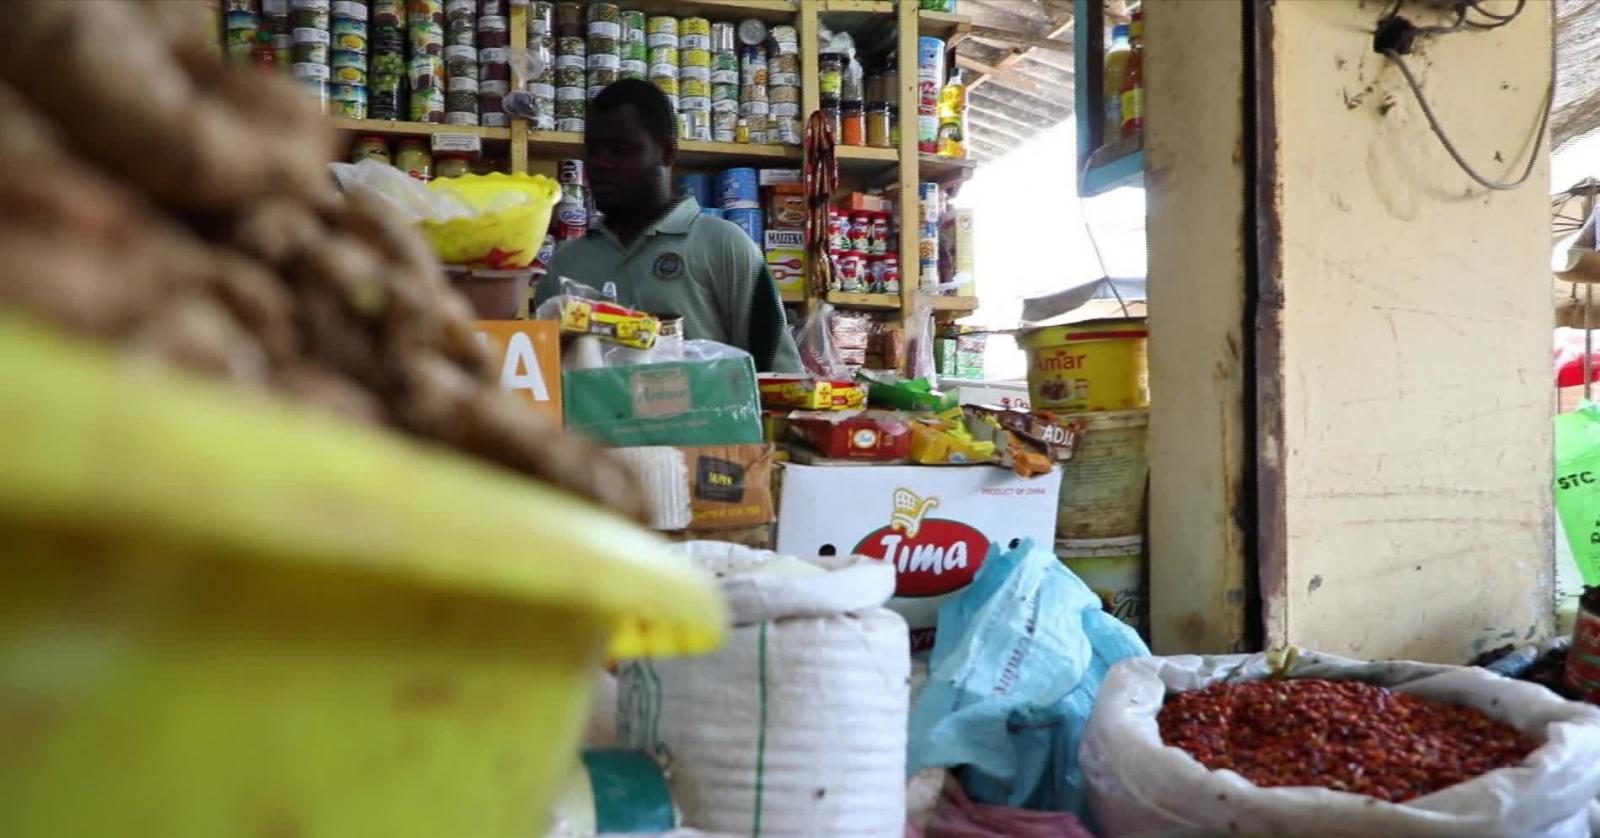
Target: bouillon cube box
704 402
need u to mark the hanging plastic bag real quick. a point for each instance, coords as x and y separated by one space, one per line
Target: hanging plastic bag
1015 668
1138 785
818 354
1577 486
919 339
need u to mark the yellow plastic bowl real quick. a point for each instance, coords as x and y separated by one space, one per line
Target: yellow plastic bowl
222 616
507 238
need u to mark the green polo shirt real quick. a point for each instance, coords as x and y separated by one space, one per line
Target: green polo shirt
702 269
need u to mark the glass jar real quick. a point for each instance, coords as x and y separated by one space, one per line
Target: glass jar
452 164
894 124
830 115
414 159
853 124
830 75
373 147
878 125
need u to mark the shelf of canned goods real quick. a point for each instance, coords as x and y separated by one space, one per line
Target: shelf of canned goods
498 85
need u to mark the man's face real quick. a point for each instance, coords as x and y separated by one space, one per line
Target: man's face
624 162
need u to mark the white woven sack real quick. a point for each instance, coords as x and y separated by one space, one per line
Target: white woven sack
797 727
1138 785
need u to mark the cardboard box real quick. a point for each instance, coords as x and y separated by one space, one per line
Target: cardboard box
706 488
956 260
1007 394
528 354
711 402
786 258
935 523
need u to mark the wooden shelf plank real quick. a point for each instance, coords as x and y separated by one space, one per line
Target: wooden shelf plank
867 161
943 303
731 11
951 27
387 128
546 145
844 299
694 154
932 167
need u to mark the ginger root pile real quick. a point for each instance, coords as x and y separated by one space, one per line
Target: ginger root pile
182 210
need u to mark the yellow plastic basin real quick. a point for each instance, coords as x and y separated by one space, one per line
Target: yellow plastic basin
222 616
503 239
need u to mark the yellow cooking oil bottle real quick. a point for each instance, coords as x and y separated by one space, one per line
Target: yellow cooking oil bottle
953 117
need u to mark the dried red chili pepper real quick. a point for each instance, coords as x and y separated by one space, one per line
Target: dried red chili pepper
1343 735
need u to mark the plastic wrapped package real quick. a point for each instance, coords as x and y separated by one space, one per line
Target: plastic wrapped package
708 397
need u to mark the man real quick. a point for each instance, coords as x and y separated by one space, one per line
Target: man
664 256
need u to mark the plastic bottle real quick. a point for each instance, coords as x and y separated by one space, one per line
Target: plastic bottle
1133 80
1116 66
953 117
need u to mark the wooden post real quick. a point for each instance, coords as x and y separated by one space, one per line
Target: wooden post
519 126
906 46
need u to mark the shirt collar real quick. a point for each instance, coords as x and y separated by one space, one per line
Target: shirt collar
675 222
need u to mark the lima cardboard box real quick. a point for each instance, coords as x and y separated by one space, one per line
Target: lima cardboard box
934 523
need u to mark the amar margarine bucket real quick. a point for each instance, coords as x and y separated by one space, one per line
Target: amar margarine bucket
1100 365
1114 569
1102 486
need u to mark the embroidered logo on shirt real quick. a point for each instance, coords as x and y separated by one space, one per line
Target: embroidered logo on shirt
668 266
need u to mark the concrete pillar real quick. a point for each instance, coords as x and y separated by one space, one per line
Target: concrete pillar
1403 338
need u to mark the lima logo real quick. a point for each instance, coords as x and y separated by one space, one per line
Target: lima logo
931 556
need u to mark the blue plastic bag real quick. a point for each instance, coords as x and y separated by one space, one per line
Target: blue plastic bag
1012 680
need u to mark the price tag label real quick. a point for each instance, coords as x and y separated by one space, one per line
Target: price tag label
469 143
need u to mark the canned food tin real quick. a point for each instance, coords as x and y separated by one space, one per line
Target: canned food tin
891 274
724 37
604 61
310 72
427 105
860 232
669 87
697 89
838 231
574 126
632 70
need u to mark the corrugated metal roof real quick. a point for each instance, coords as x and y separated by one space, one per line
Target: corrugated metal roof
1020 52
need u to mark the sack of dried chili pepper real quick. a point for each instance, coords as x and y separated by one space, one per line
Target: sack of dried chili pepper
1320 729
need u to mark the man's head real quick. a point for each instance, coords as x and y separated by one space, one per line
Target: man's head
630 142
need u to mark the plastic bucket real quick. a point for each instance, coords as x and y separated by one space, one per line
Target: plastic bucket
221 616
1083 367
1103 485
1114 569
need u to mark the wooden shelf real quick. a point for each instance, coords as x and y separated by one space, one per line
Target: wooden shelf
555 144
951 27
942 303
866 160
792 295
844 299
728 11
698 155
387 128
932 167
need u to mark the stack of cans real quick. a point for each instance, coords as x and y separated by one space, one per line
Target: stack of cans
425 28
571 82
243 30
542 87
309 37
635 56
724 82
783 87
494 64
461 62
661 40
387 69
754 107
347 59
604 46
931 201
694 78
275 27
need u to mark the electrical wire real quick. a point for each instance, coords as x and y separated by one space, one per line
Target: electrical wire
1499 19
1450 146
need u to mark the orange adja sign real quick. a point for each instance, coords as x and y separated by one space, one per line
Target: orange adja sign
527 354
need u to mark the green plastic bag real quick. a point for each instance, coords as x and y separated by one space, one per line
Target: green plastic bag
1577 486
